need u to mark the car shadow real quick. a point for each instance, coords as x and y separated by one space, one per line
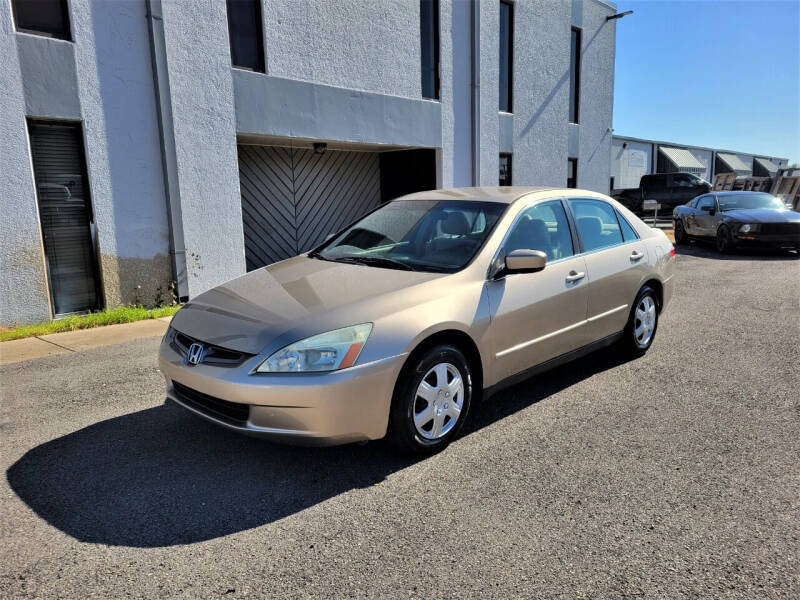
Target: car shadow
161 476
702 249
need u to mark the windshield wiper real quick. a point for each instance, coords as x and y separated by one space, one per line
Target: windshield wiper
378 261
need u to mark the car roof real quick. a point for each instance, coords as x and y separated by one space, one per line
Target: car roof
737 192
502 194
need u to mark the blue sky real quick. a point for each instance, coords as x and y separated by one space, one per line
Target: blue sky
723 74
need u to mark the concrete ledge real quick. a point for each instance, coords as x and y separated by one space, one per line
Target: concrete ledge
276 106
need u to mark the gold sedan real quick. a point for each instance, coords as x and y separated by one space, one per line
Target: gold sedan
396 324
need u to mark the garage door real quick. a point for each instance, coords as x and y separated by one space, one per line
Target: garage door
292 199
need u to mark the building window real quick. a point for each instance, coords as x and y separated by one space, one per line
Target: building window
245 30
572 173
429 40
506 55
575 75
505 169
43 17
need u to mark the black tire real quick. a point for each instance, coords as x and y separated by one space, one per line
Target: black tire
630 343
680 233
403 432
724 240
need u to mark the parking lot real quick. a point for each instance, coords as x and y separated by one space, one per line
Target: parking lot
677 474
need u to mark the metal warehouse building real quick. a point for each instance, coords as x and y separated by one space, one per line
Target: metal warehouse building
145 142
633 157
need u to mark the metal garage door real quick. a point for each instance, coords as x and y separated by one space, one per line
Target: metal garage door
65 214
293 198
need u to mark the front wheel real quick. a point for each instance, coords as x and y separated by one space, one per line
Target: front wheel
431 402
640 331
680 233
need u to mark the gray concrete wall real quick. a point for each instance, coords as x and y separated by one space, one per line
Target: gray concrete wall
597 94
707 158
204 121
625 163
23 279
117 98
357 44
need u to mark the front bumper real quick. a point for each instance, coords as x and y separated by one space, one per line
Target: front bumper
779 240
310 408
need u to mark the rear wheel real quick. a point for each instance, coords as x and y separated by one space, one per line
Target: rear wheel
640 330
680 233
724 241
431 402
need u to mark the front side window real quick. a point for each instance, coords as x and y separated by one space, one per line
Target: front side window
542 227
684 181
575 75
597 224
506 55
416 235
43 17
706 203
245 30
429 40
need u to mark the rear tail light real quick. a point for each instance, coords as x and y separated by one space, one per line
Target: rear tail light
672 251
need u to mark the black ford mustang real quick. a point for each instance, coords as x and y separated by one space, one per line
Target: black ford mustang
738 219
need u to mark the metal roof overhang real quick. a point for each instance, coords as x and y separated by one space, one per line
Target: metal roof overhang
734 163
684 161
769 166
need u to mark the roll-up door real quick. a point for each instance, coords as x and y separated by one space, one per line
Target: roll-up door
65 214
292 198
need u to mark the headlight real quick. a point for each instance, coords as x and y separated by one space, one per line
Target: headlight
748 228
329 351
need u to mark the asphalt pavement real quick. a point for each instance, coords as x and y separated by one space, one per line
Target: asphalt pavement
674 475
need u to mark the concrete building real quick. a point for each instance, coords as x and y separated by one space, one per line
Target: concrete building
148 146
633 157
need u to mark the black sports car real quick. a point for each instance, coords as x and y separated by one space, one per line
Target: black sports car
738 219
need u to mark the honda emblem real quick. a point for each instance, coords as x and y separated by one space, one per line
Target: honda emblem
195 354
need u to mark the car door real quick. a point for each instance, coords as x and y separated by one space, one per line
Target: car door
683 188
616 264
538 316
706 216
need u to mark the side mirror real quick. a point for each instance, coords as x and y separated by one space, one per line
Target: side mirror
525 261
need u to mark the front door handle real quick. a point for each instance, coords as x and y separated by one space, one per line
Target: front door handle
636 255
575 276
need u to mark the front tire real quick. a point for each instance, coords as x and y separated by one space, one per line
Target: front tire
680 233
640 331
724 241
431 401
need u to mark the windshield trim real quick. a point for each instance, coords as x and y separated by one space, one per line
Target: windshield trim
417 267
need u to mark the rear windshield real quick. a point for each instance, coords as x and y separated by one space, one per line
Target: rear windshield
416 235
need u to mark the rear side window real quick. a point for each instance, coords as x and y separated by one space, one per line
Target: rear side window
597 223
656 181
628 232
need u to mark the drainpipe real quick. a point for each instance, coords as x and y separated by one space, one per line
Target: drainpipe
166 133
475 69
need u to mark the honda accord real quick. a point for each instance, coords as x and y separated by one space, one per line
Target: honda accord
397 324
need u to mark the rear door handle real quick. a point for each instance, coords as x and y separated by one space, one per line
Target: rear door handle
575 276
636 255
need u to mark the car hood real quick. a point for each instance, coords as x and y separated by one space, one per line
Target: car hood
298 295
763 215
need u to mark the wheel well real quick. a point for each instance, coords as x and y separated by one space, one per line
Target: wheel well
659 289
460 340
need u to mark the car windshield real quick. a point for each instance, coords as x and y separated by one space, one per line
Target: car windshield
748 201
416 235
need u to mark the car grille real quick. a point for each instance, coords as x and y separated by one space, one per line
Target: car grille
214 355
232 413
780 228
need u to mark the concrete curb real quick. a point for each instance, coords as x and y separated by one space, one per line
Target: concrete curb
52 344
